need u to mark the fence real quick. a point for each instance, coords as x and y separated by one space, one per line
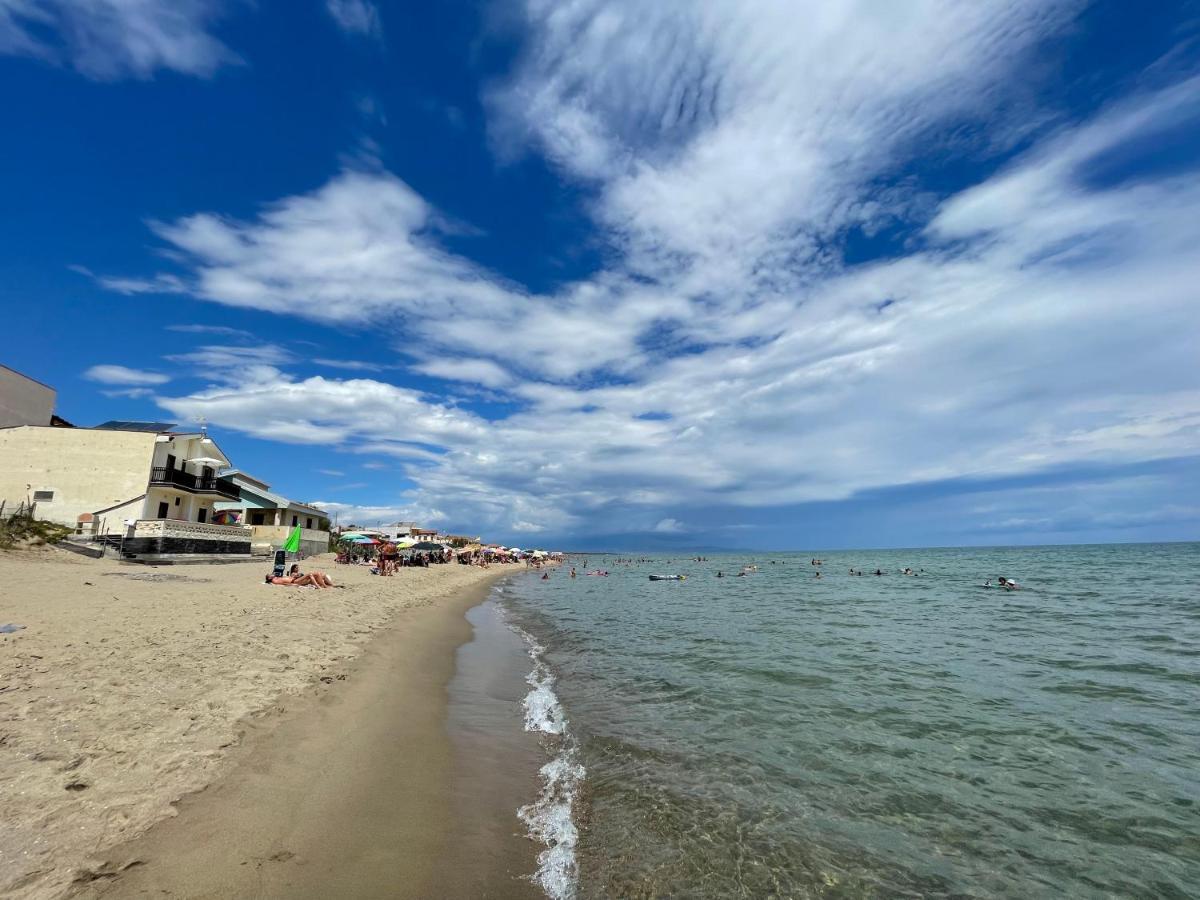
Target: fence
21 510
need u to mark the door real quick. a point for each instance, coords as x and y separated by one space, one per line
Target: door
170 460
162 509
202 516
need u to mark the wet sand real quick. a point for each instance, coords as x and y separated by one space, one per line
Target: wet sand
353 793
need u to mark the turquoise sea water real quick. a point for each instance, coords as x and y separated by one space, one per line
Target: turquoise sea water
779 735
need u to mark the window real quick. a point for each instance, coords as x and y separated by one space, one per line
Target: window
295 521
308 523
43 496
176 501
202 516
256 518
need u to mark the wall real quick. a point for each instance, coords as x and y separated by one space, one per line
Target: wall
269 537
24 401
87 470
165 540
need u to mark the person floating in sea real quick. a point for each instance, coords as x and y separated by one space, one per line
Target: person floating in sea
545 576
720 574
877 572
816 574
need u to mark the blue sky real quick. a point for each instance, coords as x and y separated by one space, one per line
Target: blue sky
582 273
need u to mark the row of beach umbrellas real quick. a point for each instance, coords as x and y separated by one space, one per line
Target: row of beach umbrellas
355 537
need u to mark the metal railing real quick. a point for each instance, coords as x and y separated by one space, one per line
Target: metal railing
209 484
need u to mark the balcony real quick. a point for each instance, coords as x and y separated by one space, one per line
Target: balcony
196 484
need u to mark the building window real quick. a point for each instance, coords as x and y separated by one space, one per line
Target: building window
256 518
176 501
202 516
295 521
43 496
308 523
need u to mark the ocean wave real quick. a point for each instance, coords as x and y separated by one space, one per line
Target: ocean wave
550 818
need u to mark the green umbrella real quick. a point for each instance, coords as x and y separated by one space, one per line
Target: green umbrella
292 545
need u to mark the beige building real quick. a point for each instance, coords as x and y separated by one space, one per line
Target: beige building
127 479
272 517
24 401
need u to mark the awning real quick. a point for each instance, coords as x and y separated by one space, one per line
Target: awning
206 461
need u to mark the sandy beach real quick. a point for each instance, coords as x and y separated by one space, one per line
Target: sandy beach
131 688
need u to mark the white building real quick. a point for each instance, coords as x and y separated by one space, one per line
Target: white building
155 487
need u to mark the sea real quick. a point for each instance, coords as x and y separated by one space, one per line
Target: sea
865 736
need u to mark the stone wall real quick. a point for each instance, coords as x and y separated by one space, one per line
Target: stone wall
165 540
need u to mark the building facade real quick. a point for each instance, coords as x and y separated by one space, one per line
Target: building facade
24 401
141 482
271 517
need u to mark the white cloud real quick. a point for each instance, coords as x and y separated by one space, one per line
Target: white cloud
669 526
112 374
224 363
337 473
355 16
728 355
221 330
111 39
352 365
159 284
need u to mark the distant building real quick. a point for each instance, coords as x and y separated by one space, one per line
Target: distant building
154 487
398 531
271 516
24 401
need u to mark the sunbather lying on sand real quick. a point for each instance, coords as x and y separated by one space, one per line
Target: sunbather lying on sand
302 579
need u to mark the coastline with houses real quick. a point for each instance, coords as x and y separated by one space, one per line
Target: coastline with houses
142 696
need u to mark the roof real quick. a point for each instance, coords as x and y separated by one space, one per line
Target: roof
121 425
280 501
245 476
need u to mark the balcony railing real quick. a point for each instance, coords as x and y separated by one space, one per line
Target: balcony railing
197 484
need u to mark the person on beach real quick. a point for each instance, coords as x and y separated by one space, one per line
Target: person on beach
572 571
316 579
320 579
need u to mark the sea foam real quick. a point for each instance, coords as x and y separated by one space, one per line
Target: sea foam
549 818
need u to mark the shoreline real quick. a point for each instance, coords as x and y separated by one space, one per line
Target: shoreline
209 709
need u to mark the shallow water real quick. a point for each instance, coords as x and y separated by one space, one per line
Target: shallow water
781 735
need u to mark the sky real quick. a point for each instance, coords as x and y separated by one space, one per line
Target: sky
616 275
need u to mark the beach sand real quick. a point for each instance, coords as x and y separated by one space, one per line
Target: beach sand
326 759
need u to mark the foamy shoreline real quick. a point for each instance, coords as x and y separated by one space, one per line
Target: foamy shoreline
130 686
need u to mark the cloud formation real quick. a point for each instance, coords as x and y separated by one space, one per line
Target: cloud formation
111 39
355 16
731 354
113 374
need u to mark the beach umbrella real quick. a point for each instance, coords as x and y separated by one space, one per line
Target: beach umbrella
351 535
292 544
427 545
515 550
